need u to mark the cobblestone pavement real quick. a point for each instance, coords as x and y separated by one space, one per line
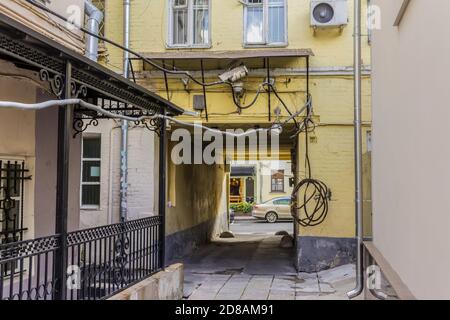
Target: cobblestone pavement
255 268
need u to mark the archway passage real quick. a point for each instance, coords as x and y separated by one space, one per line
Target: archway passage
252 264
257 259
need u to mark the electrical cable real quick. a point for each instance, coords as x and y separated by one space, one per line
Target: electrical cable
315 194
275 128
81 28
313 190
160 68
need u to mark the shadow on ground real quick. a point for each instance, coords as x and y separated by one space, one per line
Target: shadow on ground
254 267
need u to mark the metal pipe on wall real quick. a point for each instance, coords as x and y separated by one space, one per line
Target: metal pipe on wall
358 151
93 25
124 126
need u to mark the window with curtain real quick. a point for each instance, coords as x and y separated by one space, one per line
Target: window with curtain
265 22
277 181
189 23
90 172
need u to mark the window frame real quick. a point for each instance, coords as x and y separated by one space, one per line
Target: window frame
265 43
82 183
190 25
272 190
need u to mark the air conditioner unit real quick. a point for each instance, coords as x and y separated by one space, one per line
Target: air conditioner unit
329 13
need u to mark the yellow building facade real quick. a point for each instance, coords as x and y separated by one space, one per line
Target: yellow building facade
228 42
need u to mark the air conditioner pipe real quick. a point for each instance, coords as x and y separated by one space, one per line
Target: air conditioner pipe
358 151
124 126
93 25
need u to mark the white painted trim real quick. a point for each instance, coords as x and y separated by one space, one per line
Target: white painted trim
190 29
265 43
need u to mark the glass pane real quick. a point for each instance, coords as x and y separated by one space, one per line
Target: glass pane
283 202
179 3
10 218
91 147
254 27
91 171
276 32
90 195
201 2
180 19
12 184
201 26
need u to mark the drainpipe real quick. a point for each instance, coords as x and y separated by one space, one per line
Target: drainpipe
93 25
358 151
124 145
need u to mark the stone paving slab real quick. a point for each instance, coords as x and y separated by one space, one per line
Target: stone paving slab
255 268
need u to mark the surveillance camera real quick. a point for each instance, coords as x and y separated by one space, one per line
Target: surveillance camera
234 75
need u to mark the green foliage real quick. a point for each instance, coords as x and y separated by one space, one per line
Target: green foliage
243 207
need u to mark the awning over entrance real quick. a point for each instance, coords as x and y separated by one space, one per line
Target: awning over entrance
43 263
242 171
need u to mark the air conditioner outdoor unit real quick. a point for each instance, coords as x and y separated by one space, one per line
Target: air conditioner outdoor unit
329 13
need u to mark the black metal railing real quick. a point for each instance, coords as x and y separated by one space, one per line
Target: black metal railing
101 262
30 266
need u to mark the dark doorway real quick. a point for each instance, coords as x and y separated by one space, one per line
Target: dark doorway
250 190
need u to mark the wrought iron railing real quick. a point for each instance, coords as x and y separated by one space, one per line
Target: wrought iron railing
101 262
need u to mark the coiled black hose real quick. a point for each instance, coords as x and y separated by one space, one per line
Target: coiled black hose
314 208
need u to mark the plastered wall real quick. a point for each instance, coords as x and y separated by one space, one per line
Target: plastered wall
411 180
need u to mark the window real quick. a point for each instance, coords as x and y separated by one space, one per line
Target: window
265 22
282 202
369 141
277 181
189 23
90 172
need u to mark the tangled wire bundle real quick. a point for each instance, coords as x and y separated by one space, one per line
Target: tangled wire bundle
314 208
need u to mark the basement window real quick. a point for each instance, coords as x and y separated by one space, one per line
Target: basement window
265 23
189 23
90 172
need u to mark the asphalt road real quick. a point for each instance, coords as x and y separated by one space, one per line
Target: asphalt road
260 227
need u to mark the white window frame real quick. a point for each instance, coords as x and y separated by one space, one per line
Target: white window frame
190 26
84 206
265 43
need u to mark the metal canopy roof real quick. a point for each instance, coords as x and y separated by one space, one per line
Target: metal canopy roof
230 55
32 50
239 171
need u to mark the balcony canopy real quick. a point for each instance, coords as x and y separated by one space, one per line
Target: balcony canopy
229 55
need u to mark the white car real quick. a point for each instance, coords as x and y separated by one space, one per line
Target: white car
273 210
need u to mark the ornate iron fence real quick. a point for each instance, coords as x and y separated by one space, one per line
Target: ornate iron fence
101 262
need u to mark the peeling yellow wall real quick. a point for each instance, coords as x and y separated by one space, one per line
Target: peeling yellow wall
331 86
188 205
149 30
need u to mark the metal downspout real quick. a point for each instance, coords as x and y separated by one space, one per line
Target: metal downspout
358 151
93 25
124 144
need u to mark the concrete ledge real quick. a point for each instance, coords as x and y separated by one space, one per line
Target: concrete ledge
315 254
390 280
164 285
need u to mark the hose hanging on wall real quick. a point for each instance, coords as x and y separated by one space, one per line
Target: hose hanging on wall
314 193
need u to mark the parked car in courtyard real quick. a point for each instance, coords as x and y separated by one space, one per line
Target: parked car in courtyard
273 210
